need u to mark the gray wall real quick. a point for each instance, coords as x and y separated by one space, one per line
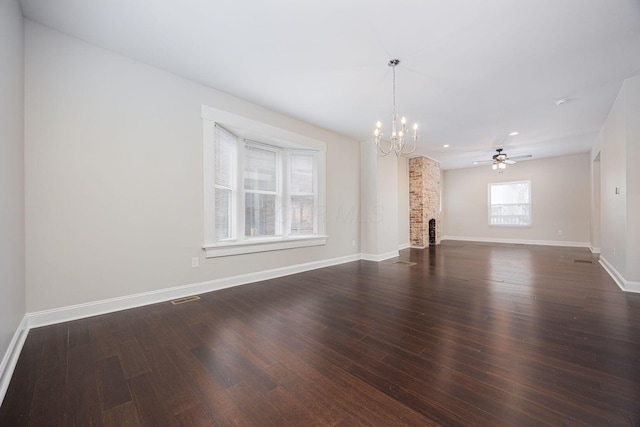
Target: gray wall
403 202
379 203
12 252
613 171
619 147
595 202
632 124
114 177
560 194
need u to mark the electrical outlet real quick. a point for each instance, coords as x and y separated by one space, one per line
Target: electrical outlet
559 232
353 243
195 262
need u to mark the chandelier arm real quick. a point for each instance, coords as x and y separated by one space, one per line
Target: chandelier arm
415 144
381 150
399 147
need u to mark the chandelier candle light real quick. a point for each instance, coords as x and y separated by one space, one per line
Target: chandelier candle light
397 141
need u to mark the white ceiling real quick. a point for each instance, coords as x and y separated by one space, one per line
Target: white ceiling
471 71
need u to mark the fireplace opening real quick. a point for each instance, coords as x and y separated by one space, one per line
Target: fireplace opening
432 232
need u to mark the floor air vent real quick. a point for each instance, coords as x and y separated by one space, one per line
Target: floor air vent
185 299
583 261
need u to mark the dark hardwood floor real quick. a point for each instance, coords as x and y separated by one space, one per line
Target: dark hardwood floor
472 334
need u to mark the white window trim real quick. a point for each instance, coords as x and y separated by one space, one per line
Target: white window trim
254 130
530 205
263 245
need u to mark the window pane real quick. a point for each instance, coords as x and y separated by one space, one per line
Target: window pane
302 173
225 154
510 204
260 169
223 214
259 214
510 193
302 208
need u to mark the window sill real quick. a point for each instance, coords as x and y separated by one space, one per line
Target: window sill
262 245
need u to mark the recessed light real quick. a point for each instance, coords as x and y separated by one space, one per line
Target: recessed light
446 146
514 133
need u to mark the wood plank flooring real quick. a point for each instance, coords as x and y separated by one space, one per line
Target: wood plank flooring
473 334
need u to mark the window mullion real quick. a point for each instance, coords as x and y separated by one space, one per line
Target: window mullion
316 209
285 203
240 193
279 188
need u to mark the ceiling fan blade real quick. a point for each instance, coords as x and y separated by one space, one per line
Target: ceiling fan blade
483 162
526 156
510 162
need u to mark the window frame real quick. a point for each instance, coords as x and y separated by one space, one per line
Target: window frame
232 188
278 192
489 204
253 132
290 193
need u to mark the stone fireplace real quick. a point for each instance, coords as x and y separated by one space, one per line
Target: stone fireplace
424 202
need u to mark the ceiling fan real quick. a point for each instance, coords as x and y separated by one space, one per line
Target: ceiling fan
501 160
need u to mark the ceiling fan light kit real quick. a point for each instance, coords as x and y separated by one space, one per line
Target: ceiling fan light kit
396 142
499 160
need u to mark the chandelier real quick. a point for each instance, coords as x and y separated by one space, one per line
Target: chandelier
396 142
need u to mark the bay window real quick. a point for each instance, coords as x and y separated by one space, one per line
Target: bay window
261 192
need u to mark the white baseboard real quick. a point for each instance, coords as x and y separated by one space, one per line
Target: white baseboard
594 250
11 356
80 311
404 246
380 257
632 287
625 285
520 241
